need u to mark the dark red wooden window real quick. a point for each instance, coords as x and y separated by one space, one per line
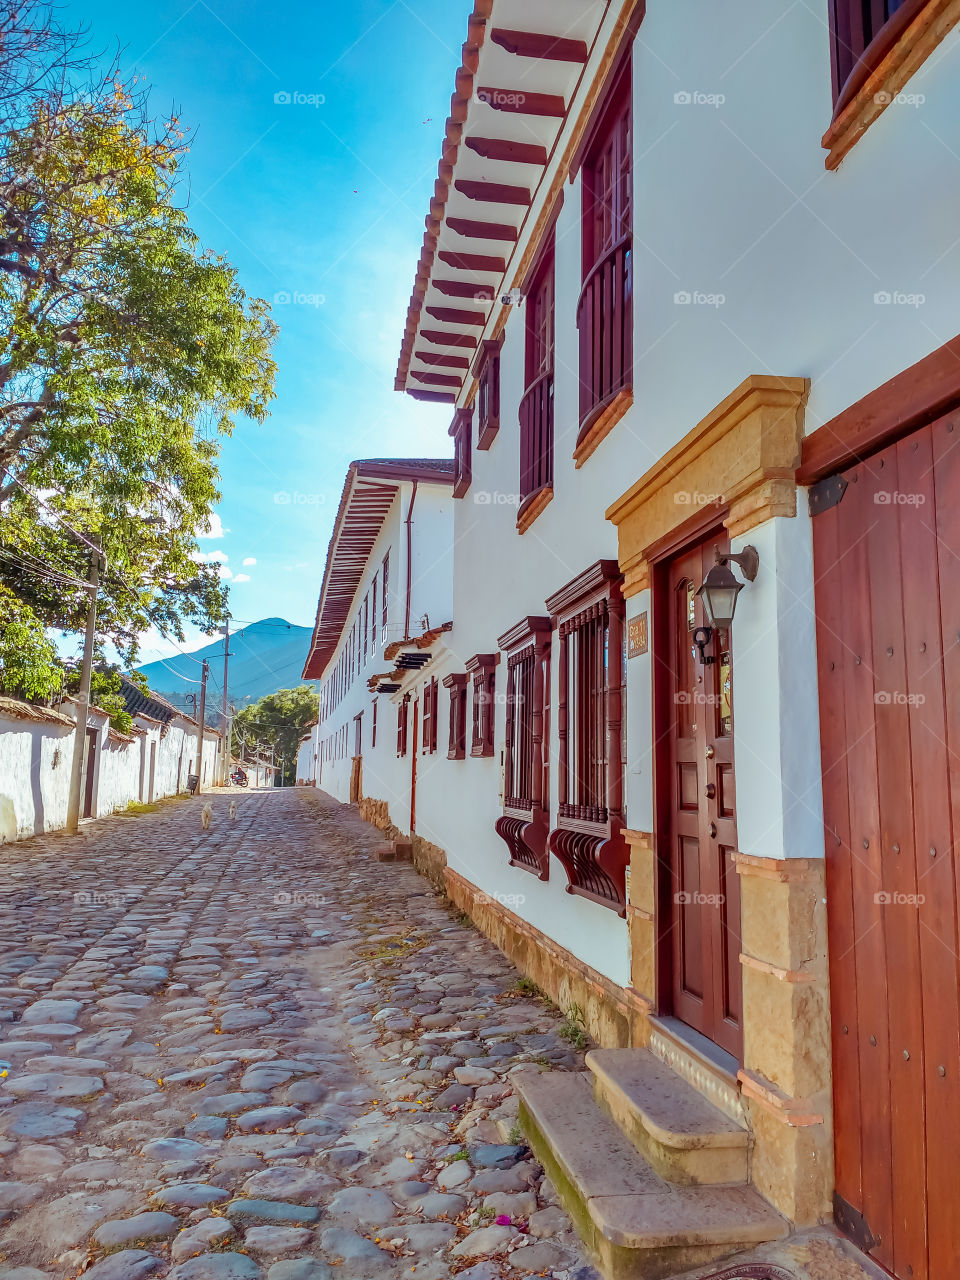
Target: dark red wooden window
431 692
487 370
860 40
482 668
605 308
373 725
520 761
457 723
461 429
403 720
373 616
385 585
536 407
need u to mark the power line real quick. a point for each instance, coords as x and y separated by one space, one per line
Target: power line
50 511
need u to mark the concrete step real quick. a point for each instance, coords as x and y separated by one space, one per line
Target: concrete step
636 1225
685 1138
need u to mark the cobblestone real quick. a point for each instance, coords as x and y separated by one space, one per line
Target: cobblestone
248 1054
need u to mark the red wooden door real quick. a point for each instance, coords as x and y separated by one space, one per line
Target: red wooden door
887 565
704 916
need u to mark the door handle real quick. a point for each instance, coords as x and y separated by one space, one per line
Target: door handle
710 791
710 752
713 830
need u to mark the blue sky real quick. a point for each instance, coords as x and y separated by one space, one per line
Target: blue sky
321 199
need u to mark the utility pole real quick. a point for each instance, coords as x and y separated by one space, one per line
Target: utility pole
273 775
226 713
204 672
97 564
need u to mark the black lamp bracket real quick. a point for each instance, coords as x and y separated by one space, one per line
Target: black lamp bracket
748 560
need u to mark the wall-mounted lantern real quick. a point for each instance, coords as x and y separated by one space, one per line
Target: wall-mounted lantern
721 587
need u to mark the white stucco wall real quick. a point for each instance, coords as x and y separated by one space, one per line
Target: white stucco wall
36 762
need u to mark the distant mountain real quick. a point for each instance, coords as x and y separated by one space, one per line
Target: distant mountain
265 656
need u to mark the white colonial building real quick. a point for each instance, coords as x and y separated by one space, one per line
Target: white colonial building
691 288
389 575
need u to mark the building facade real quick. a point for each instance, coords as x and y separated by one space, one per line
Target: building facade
688 751
388 576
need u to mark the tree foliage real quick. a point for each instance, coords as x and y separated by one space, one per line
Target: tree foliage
279 720
127 350
28 661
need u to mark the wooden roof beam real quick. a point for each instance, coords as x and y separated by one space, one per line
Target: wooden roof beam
441 339
472 262
436 379
534 44
521 102
444 362
453 315
512 152
464 289
482 230
494 192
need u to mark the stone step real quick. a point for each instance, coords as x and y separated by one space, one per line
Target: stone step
684 1137
636 1225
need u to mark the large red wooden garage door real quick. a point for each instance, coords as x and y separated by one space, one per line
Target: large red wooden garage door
887 564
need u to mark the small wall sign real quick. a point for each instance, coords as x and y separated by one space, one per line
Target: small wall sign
637 635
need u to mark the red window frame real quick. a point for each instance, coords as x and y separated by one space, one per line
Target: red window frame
385 583
456 683
536 406
482 668
605 306
431 698
403 721
862 32
373 615
373 726
486 370
588 840
462 430
524 826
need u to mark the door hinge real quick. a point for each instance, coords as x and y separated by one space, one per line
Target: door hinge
853 1224
826 493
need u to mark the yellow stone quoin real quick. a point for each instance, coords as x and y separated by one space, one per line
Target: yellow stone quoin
744 454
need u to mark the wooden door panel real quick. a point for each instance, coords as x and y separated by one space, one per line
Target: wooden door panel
834 657
887 561
894 857
705 907
857 516
933 587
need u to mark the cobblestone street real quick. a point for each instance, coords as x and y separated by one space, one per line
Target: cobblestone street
212 1033
257 1051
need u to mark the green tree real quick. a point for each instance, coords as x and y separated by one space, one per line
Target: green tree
279 720
28 661
127 351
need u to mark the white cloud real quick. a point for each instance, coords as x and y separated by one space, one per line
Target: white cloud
249 560
214 528
209 557
225 573
242 577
